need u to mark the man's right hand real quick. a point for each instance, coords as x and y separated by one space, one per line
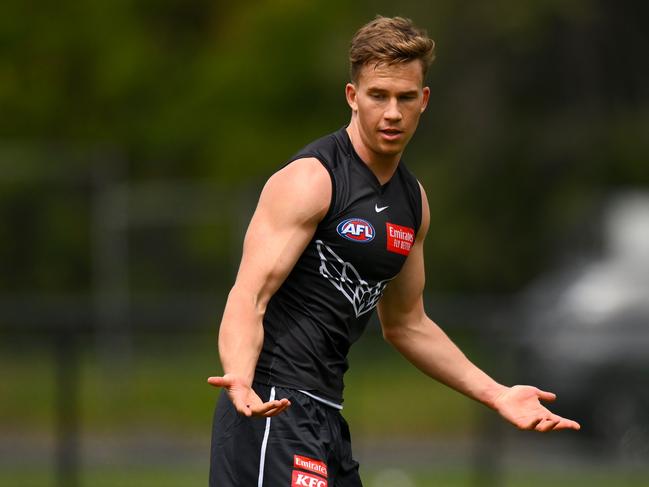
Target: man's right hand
245 399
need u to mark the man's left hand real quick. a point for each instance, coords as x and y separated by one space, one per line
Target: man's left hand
521 406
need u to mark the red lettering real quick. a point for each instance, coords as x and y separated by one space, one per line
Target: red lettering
400 238
306 463
301 479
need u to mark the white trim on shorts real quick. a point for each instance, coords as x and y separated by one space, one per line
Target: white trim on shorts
262 460
339 407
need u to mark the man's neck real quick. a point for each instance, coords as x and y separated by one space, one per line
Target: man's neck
382 165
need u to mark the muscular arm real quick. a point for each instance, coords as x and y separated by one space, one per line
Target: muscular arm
291 205
407 327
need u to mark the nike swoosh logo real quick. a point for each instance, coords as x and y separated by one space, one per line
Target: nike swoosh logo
379 210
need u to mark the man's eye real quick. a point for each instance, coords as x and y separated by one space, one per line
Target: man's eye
377 96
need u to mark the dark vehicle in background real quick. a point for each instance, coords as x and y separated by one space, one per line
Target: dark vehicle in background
587 334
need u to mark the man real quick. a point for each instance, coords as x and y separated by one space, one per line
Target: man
337 232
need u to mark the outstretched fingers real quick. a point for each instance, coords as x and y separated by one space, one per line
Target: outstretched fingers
546 396
567 424
270 408
546 424
263 409
552 423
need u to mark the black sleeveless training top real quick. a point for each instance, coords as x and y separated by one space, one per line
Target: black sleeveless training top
325 302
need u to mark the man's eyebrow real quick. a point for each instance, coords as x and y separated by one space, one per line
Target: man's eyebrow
377 89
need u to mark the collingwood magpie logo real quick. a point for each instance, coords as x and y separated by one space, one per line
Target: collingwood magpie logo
344 277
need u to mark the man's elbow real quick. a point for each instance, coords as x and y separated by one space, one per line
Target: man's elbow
392 333
405 329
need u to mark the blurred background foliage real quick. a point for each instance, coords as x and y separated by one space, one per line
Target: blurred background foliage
538 108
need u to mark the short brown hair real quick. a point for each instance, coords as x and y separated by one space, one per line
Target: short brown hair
389 40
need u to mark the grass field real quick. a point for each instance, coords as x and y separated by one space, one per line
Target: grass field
158 390
161 476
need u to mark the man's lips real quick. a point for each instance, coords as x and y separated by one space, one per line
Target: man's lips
390 133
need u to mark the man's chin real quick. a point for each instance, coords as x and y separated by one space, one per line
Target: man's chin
391 149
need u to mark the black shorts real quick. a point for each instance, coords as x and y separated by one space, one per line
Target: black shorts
307 445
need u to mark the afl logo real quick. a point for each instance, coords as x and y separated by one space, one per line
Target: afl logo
356 230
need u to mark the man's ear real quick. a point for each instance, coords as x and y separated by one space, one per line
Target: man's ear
426 95
350 94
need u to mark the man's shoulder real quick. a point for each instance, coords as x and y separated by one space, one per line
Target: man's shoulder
305 183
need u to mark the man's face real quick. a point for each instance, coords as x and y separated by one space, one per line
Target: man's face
386 102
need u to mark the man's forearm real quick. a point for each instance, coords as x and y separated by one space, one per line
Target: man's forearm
427 347
241 335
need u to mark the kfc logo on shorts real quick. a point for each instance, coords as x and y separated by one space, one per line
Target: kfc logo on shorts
301 479
356 230
400 239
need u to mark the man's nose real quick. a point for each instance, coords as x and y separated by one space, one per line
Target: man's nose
392 111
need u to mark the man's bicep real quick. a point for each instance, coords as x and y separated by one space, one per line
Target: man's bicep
402 302
291 205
